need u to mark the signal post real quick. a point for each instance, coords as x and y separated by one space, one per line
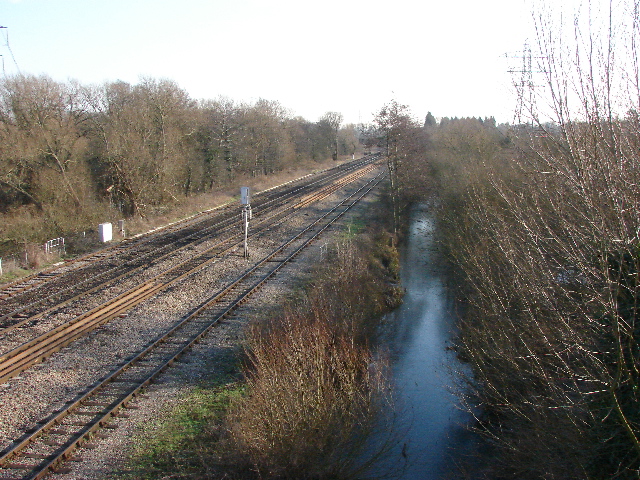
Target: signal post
246 216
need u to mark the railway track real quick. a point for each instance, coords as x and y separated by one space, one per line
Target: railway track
24 292
44 345
95 272
55 438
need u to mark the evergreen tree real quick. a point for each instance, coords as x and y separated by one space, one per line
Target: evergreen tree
430 120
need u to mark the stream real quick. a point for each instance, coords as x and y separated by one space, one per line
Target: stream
432 440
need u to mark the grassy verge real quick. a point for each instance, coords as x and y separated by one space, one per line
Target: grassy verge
181 445
14 275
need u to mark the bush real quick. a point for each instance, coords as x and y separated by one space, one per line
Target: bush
316 391
549 252
315 397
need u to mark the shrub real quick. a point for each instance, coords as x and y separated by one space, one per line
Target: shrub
314 398
316 391
549 251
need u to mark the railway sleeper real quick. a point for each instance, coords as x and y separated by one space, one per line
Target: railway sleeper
172 341
61 470
77 423
116 390
92 403
124 380
112 398
87 414
53 443
152 358
131 378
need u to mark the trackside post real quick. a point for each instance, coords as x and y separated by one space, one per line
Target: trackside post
245 201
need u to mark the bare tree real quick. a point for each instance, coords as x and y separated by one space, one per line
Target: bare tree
334 119
348 140
397 127
549 244
144 134
43 135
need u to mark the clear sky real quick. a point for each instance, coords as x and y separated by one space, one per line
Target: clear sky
349 56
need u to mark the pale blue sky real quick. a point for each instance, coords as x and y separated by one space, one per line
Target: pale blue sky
350 56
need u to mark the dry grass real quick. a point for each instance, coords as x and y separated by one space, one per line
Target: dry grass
164 214
317 393
27 228
315 397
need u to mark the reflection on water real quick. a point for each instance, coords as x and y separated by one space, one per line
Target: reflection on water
434 438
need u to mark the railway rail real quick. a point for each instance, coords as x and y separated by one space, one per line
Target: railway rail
44 345
55 438
91 273
25 292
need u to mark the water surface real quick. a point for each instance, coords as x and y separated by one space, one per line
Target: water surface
433 439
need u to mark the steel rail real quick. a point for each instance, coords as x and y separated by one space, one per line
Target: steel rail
10 290
130 243
54 439
17 317
19 359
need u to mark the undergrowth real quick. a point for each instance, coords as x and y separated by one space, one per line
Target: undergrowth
181 444
313 390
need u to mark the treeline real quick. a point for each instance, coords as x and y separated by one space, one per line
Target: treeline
540 221
67 147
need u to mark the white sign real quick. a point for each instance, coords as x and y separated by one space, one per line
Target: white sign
244 196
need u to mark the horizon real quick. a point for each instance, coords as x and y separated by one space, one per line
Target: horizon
281 51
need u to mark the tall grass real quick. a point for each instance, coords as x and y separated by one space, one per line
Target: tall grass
316 390
313 388
315 397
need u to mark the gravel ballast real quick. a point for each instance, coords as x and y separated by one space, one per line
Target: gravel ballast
27 399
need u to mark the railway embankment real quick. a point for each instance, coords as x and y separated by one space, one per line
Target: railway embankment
349 274
28 259
48 387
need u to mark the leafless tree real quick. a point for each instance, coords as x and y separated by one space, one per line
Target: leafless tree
549 245
401 134
334 119
43 138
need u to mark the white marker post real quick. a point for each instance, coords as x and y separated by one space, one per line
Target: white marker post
246 216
